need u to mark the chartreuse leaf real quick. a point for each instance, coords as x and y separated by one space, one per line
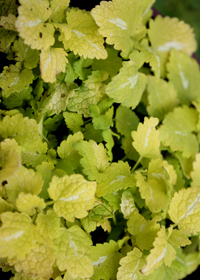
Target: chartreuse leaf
73 121
105 260
91 92
73 246
162 252
128 86
72 195
184 210
195 174
52 62
58 8
184 74
174 34
67 152
56 98
126 121
179 238
146 140
7 38
16 99
32 26
154 192
85 39
144 232
14 80
130 266
108 138
39 260
92 134
82 67
26 181
5 206
16 233
115 177
120 23
101 121
127 205
162 97
24 53
26 133
28 203
176 131
10 158
95 159
48 224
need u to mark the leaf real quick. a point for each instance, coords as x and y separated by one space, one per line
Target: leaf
108 138
67 151
177 128
144 231
5 206
72 252
126 121
95 158
73 121
17 99
195 174
174 34
32 24
48 224
72 196
120 23
115 177
16 232
85 39
12 80
179 238
26 133
184 210
28 203
101 121
105 260
128 86
10 158
8 22
131 265
162 97
146 140
58 8
184 74
162 252
52 62
91 92
39 260
26 181
8 7
7 38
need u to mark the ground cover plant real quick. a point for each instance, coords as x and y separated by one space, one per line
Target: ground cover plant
99 151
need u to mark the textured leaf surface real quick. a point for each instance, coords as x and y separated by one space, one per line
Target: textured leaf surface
95 158
120 22
185 208
177 128
128 86
131 265
48 224
28 203
32 26
105 260
52 62
184 74
162 252
73 196
195 174
73 121
85 39
73 252
179 238
117 176
58 8
162 97
146 140
16 232
144 232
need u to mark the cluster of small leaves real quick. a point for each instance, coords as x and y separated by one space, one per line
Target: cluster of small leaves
99 142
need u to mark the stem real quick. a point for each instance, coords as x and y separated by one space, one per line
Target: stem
49 203
137 163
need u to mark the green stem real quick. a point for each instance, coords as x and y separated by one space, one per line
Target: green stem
49 203
136 165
